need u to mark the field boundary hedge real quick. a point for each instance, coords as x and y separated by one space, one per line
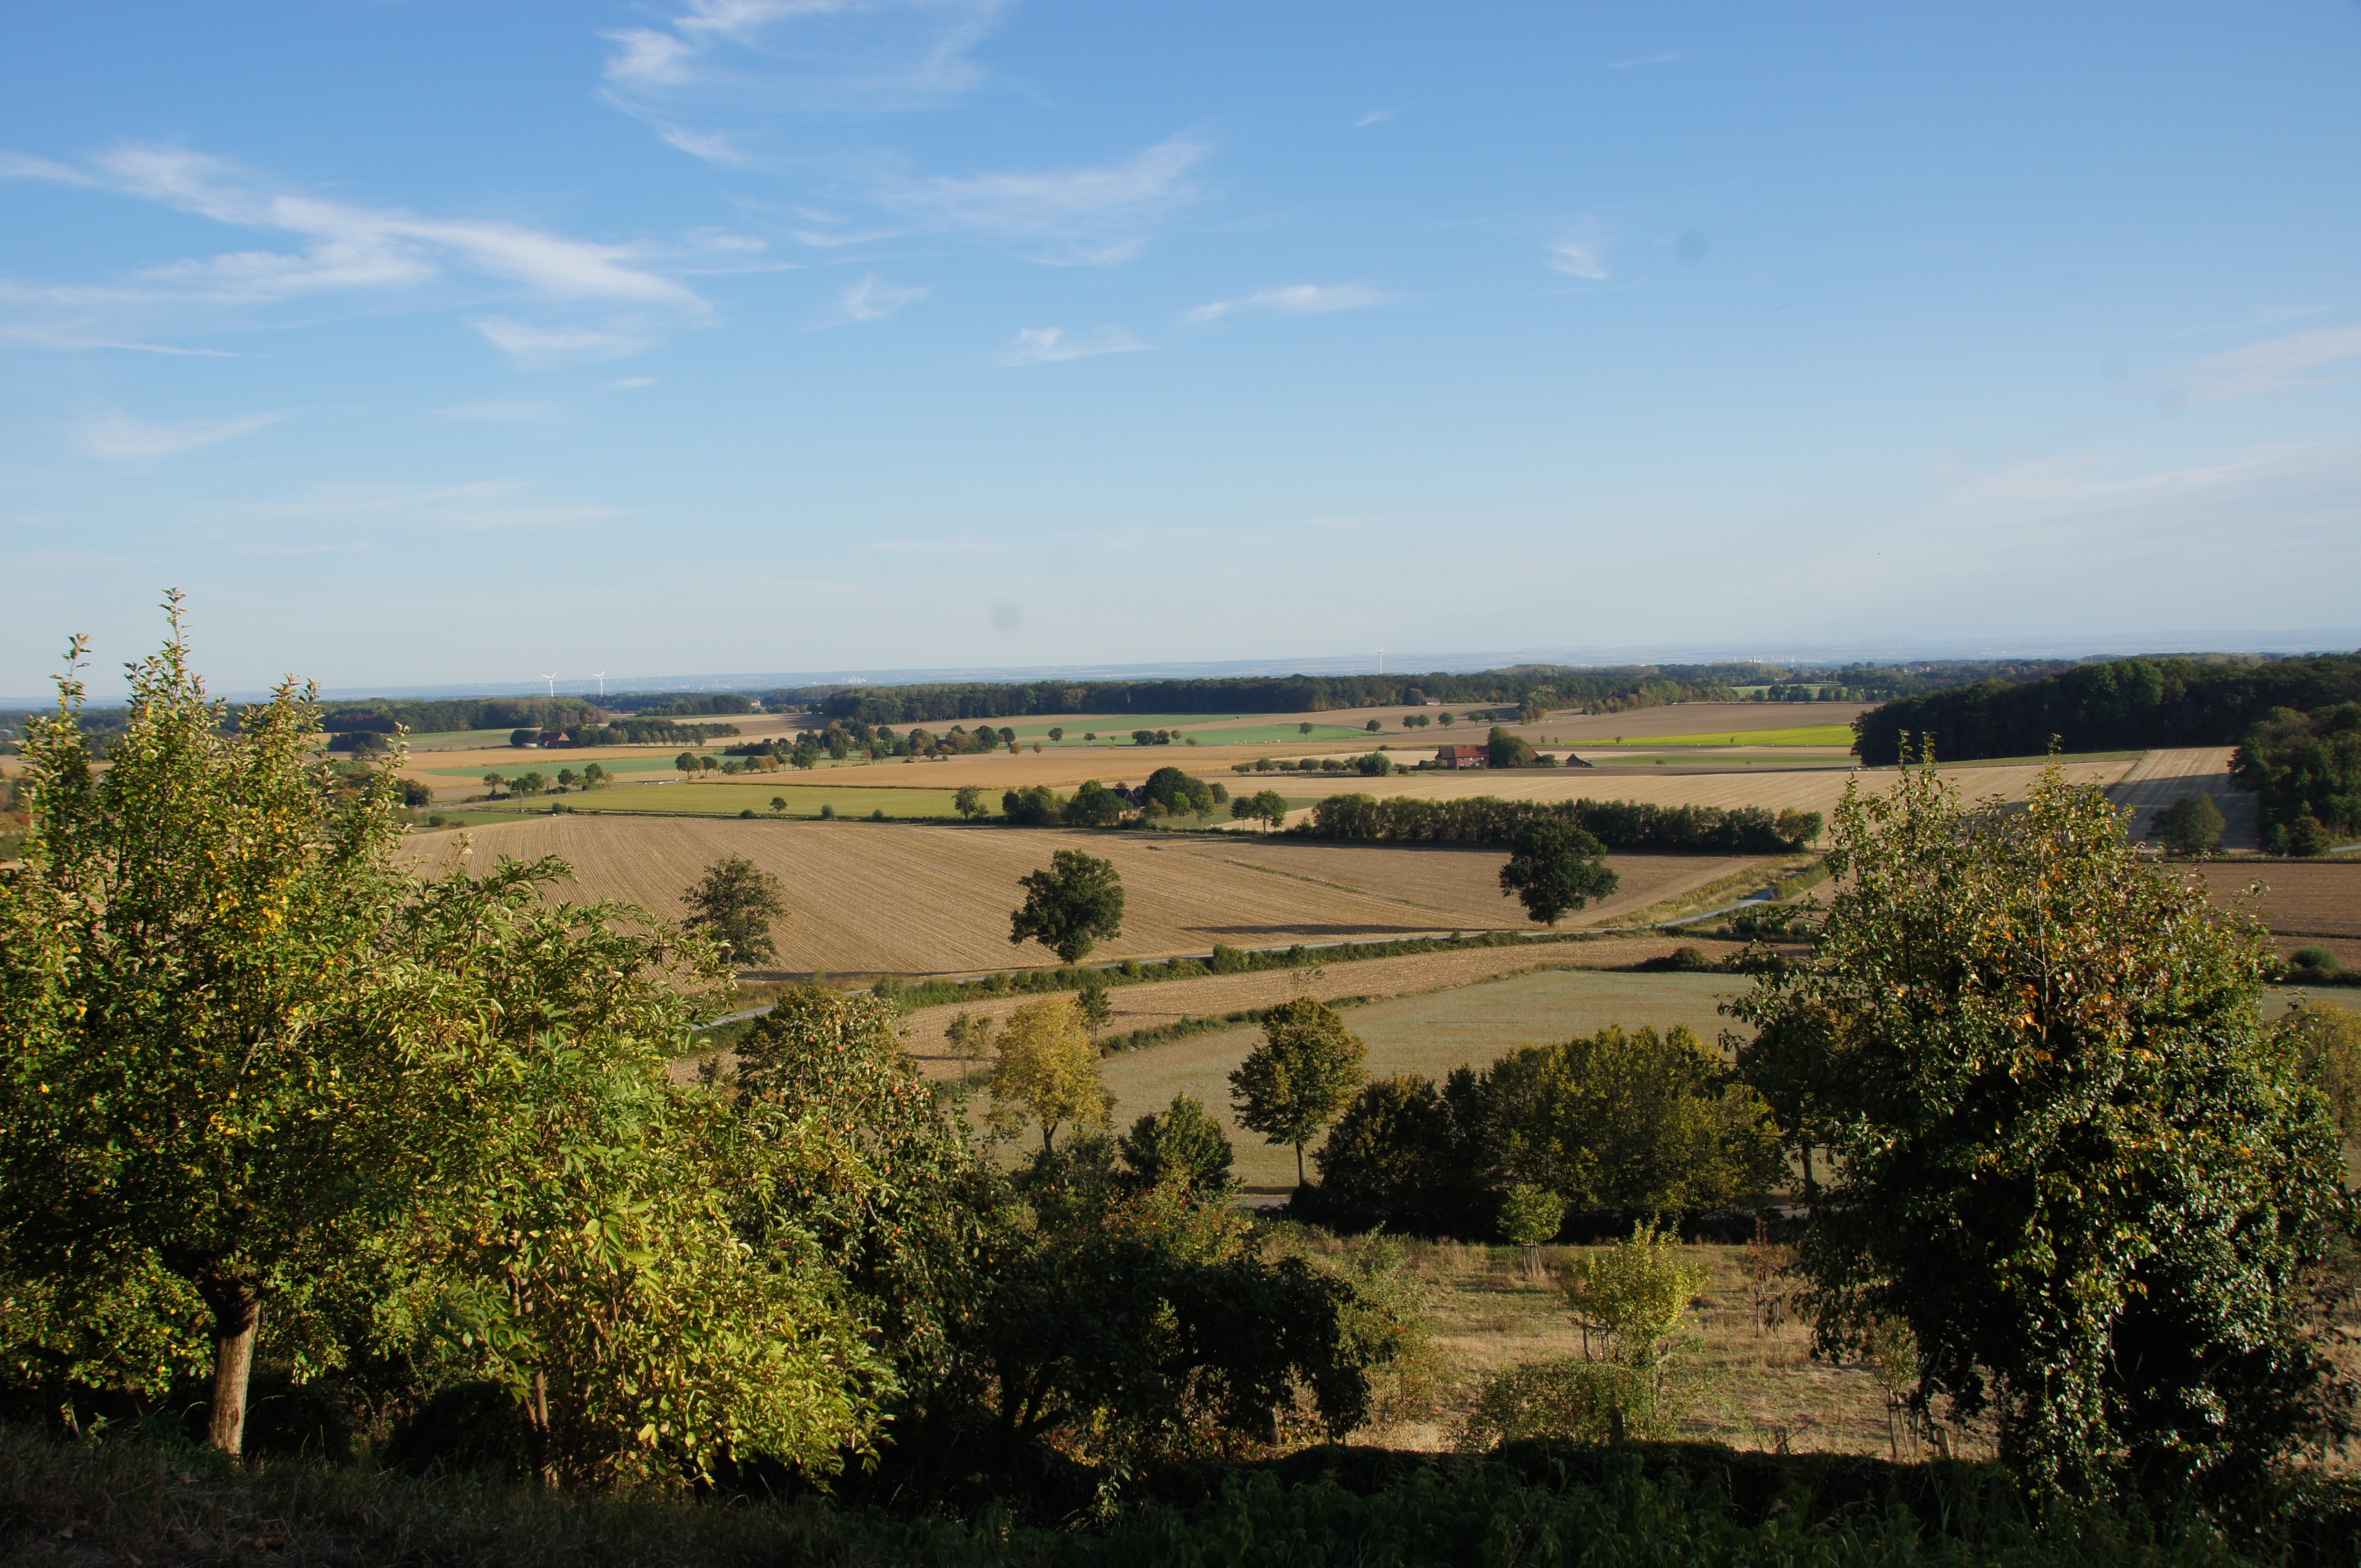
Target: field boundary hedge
1622 825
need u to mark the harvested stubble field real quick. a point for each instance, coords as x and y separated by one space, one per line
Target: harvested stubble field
2160 779
1751 1388
1429 1033
729 797
868 898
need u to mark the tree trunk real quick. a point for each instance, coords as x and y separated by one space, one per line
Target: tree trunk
237 1318
1298 1167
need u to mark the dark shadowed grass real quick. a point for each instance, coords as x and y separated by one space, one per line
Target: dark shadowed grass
126 1500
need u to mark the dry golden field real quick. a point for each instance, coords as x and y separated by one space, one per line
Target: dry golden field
2307 903
2161 779
1160 1004
886 897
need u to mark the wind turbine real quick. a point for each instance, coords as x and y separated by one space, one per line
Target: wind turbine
1381 661
600 676
552 679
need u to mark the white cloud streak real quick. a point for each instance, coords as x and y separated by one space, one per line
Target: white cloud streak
343 247
1296 300
118 437
1093 216
1050 345
1377 116
749 62
1640 59
2290 364
873 299
1577 259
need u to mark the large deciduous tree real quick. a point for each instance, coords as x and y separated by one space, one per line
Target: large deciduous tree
186 956
1555 867
735 903
1301 1077
1070 907
2068 1152
1048 1070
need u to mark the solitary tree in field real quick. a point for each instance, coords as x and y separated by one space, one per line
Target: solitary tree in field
493 783
2192 826
778 803
1047 1071
1057 733
1304 728
1373 726
969 803
2068 1152
1070 907
1300 1077
1555 867
735 903
685 763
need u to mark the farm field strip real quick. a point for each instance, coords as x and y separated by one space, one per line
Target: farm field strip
1429 1033
523 759
729 797
1838 735
2310 898
2161 778
865 898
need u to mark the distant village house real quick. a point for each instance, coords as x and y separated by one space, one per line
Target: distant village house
1463 757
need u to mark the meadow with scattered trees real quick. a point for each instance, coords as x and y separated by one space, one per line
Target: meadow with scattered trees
355 1216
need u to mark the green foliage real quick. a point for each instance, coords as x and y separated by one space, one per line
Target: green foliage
1168 791
2191 825
1296 1082
1619 825
1034 807
2328 1054
1093 806
2116 705
1091 1001
733 904
969 803
1509 750
1562 1399
1531 1215
1265 807
2307 770
1624 1119
1047 1071
1556 867
1070 907
1183 1143
2070 1156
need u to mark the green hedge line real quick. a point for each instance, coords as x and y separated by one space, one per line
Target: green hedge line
1628 825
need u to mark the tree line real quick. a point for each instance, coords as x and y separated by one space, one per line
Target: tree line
2116 705
1621 825
2306 770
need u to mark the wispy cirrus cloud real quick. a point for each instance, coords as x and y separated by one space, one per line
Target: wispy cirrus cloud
1050 345
1640 59
1377 116
873 299
1296 300
1089 214
712 77
348 248
118 437
476 506
498 411
2295 363
1581 252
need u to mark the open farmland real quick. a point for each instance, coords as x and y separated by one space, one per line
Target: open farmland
2160 779
728 797
2305 902
880 897
1430 1034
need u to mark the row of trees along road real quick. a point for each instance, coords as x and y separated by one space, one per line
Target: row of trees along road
270 1100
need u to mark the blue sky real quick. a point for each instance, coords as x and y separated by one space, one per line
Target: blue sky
437 342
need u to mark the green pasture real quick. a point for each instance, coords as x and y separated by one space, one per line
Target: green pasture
459 739
731 798
1796 735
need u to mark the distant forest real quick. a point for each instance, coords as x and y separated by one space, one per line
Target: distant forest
2120 705
1596 690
